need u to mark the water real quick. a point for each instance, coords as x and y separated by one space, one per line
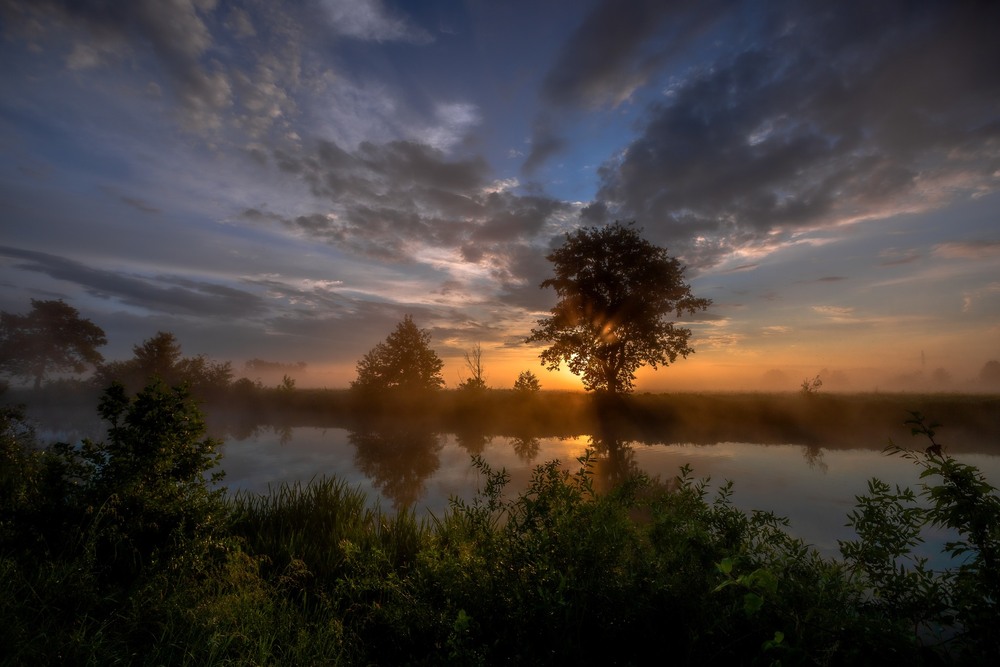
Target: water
814 488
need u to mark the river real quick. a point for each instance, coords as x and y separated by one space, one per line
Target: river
813 487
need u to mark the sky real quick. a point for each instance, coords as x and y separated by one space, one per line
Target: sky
286 180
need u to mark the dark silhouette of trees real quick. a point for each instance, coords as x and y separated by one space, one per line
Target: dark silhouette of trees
527 382
160 357
51 338
404 360
616 293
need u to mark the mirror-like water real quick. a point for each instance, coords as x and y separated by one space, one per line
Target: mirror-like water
815 488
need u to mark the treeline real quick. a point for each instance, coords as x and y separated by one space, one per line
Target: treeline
121 551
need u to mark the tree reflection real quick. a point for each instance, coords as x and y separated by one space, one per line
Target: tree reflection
398 461
472 440
813 455
526 447
614 460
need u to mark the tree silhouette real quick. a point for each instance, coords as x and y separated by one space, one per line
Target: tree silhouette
51 338
474 364
616 293
527 382
403 361
160 357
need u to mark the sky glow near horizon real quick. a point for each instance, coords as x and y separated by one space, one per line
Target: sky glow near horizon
287 180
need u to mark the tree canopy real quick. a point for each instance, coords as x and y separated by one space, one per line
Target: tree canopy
51 338
160 357
527 382
404 360
617 294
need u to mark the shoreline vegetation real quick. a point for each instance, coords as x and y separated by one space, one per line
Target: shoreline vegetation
120 551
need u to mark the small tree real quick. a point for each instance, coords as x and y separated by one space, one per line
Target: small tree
616 293
51 338
527 382
811 387
477 375
403 361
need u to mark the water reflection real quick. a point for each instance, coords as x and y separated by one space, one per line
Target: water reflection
398 461
526 447
813 455
614 461
472 439
417 466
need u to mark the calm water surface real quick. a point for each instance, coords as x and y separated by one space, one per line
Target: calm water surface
814 488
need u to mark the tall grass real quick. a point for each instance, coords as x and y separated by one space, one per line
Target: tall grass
321 525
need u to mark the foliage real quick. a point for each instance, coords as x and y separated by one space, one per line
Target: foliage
527 382
160 357
403 361
287 384
96 534
956 608
51 338
616 294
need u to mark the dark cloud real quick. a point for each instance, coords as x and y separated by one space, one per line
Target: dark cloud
618 48
385 200
858 111
620 45
139 204
545 142
167 294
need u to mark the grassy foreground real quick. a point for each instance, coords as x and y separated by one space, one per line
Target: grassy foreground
118 552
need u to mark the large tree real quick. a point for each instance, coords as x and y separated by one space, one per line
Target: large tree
51 338
617 295
404 360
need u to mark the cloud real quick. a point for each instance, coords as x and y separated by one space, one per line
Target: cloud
616 50
188 47
968 250
613 51
390 200
897 256
545 143
836 313
370 20
821 118
165 294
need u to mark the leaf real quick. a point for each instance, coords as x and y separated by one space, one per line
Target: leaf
752 603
